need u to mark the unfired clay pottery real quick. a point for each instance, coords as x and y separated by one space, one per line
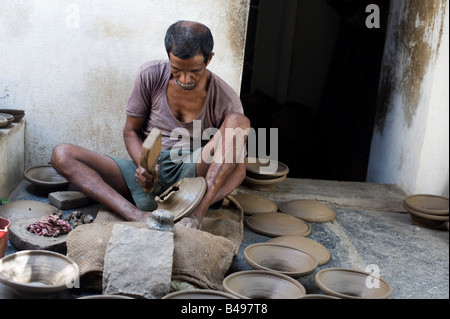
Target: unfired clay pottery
352 284
263 184
8 117
427 220
308 210
318 296
282 259
26 209
45 177
278 224
263 168
3 121
4 235
262 284
17 114
199 294
312 247
428 204
254 204
182 197
38 273
106 297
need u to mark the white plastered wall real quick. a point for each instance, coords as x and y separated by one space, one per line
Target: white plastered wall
70 64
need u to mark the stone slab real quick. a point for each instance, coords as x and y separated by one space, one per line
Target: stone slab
22 239
138 262
68 199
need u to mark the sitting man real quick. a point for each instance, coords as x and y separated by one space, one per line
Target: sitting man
174 96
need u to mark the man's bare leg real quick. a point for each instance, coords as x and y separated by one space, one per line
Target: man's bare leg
222 175
97 176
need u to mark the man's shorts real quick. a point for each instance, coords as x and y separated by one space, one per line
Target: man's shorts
172 171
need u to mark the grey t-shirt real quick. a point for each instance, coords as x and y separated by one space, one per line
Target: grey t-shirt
148 99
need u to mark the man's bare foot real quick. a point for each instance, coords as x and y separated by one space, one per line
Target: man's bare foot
190 222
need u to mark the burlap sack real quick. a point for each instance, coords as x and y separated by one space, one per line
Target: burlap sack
201 257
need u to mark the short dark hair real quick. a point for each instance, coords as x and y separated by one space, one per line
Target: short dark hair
186 39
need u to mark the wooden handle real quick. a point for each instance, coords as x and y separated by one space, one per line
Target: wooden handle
151 148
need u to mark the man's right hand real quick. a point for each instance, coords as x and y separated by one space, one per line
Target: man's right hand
147 179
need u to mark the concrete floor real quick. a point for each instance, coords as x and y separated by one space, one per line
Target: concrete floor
371 228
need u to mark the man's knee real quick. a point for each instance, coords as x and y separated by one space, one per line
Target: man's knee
60 155
237 120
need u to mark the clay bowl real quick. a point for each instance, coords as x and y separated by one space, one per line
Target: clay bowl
38 273
278 224
45 177
199 294
427 220
279 258
263 184
428 204
352 284
318 296
3 121
8 117
261 284
106 297
265 168
17 114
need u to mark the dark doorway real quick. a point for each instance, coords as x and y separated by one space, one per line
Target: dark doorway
311 70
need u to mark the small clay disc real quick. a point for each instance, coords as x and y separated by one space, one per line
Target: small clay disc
308 210
312 247
254 204
278 224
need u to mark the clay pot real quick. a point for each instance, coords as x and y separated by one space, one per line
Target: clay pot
38 273
427 220
17 114
318 296
106 297
264 169
261 284
312 247
253 204
45 178
199 294
352 284
278 258
8 117
182 197
428 204
278 224
4 235
263 184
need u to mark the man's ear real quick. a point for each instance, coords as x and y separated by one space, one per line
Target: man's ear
210 58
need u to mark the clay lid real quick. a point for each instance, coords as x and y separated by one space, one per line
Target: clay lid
199 294
254 204
308 210
278 224
26 209
182 197
263 184
263 284
278 258
45 177
428 204
352 284
265 168
312 247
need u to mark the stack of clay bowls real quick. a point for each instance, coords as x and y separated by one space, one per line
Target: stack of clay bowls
426 210
10 115
264 174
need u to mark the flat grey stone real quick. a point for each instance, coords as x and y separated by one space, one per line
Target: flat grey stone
68 199
138 262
